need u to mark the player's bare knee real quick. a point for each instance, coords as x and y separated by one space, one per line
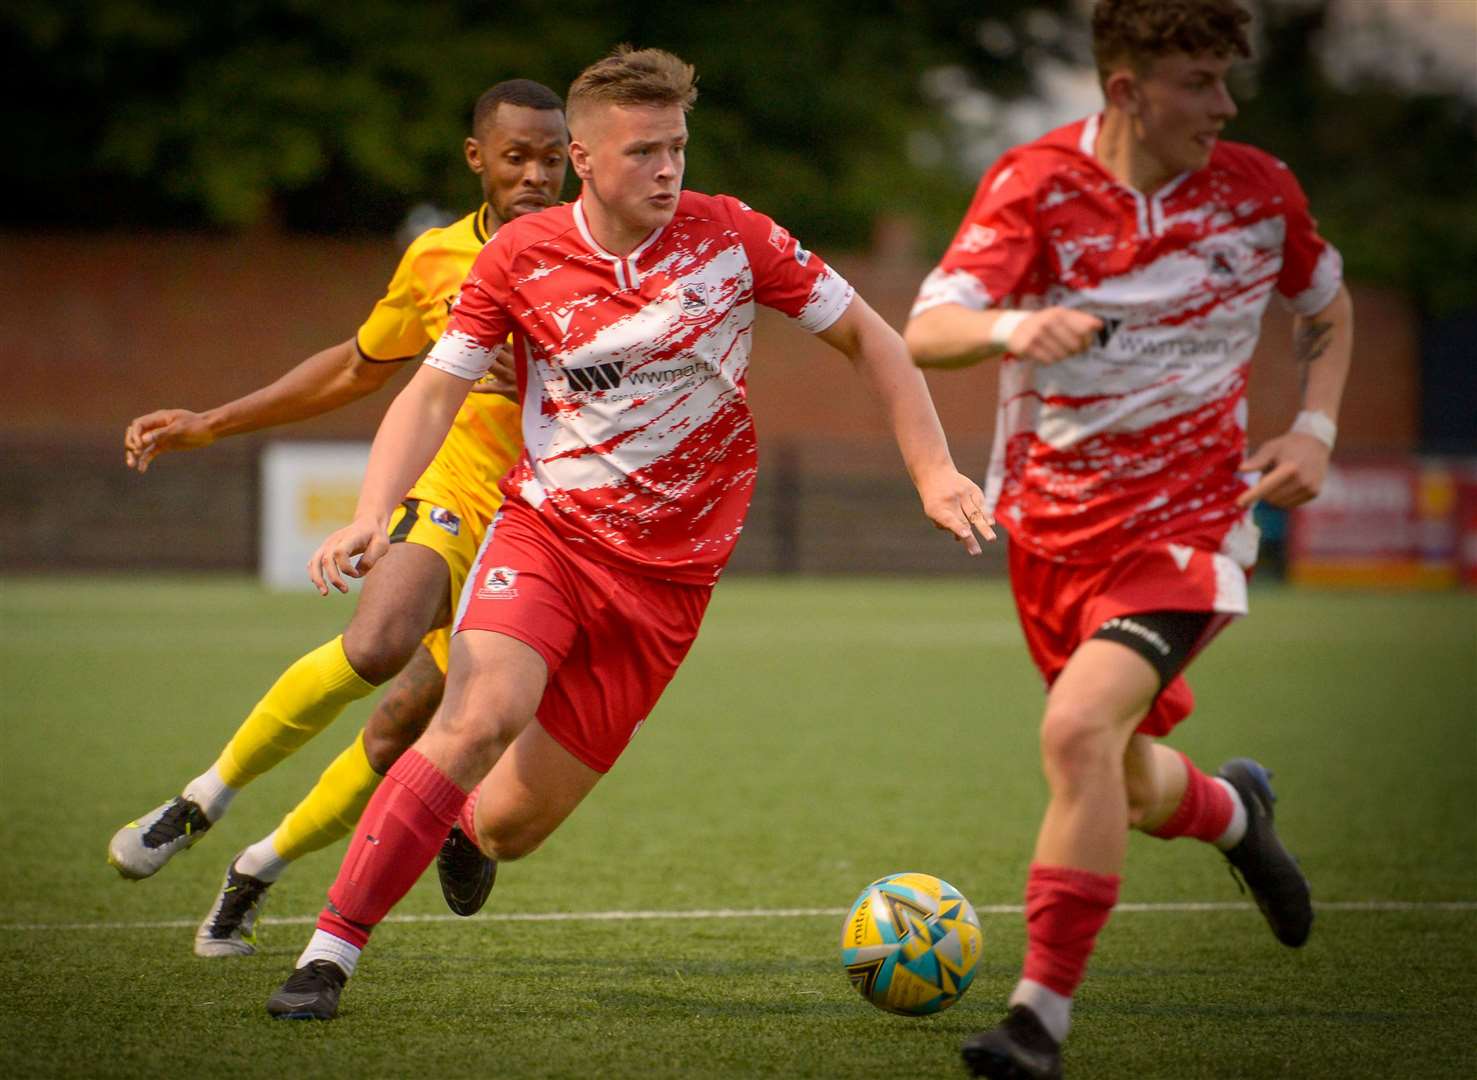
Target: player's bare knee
480 736
1076 744
377 654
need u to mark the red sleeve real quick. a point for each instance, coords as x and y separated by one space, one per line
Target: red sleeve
793 281
1312 269
479 320
995 247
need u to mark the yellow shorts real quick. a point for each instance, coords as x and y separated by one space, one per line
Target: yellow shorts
454 533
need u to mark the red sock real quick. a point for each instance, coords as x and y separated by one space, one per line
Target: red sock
1204 812
398 836
467 819
1065 909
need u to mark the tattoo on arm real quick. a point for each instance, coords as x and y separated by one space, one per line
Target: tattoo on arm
1309 343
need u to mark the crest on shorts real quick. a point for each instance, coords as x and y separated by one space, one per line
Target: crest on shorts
446 519
498 584
693 299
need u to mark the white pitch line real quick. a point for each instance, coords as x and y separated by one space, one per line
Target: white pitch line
1188 907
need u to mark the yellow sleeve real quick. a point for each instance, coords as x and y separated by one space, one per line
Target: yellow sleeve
395 329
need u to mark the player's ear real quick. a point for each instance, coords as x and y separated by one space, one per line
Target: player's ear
473 151
1121 89
579 157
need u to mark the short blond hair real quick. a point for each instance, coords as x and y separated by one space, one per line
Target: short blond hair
631 76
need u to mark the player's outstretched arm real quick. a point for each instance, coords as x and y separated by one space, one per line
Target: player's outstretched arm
953 336
952 501
409 436
321 383
1294 465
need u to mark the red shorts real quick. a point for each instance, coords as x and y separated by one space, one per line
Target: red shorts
1061 605
612 640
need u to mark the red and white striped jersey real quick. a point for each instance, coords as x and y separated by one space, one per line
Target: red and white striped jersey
1136 440
638 441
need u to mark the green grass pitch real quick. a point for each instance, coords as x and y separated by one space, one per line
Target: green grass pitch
822 734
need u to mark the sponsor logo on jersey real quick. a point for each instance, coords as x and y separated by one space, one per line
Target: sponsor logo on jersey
613 375
1106 332
694 299
663 376
596 376
446 519
498 584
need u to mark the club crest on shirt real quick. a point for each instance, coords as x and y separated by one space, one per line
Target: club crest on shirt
1220 259
498 584
779 237
446 519
693 299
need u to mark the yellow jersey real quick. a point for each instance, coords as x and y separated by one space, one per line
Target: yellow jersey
485 438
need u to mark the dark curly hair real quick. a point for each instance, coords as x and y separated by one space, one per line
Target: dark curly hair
1137 32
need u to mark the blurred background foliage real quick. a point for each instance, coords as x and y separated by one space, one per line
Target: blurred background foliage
337 118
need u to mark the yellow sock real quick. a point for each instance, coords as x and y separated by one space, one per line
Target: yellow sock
302 702
332 808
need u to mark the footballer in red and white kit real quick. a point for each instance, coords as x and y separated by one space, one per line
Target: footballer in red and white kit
639 447
634 392
1134 444
631 313
1138 438
1120 267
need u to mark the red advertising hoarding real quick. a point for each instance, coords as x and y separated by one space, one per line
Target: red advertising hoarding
1396 523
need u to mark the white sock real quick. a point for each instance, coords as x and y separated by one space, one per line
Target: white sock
1052 1009
324 946
209 792
1236 830
261 860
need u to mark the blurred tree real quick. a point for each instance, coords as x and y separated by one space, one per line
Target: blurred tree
321 117
1390 173
295 114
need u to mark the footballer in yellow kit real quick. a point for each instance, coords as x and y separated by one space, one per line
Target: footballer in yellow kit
519 149
451 504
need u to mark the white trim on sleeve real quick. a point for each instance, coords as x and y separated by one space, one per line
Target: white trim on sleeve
830 296
461 355
1328 275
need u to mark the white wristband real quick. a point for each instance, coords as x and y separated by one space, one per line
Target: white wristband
1316 424
1004 325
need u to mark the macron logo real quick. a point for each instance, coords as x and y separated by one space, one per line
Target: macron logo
1181 554
1105 334
562 320
596 376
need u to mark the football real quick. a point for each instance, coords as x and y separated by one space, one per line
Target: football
910 944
